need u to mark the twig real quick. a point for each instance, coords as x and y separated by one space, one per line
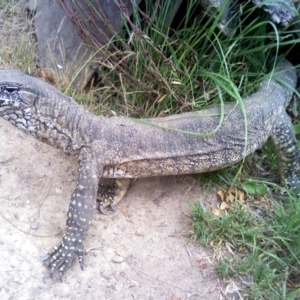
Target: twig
190 256
6 160
93 248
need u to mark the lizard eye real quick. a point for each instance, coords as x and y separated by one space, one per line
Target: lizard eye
10 88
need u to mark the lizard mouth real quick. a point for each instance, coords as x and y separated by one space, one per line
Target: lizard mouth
12 100
3 104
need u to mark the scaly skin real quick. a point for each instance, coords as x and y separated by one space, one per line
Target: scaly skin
120 147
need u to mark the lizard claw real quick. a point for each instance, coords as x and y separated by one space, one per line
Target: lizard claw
102 208
113 206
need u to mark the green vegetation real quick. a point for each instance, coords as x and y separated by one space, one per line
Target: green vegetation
154 71
16 33
265 244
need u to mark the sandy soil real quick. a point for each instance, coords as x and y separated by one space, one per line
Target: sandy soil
142 251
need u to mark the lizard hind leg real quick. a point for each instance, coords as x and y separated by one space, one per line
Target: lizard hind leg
111 192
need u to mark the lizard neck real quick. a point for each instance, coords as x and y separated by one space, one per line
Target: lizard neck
62 123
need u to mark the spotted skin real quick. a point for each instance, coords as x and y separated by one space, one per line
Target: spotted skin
80 215
287 150
122 148
111 192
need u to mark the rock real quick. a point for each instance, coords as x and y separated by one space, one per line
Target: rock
118 259
31 5
60 48
281 11
97 20
107 274
17 280
297 24
34 226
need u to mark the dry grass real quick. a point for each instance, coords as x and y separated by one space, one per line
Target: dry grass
17 49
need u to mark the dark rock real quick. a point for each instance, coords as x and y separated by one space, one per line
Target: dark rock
34 226
281 12
297 24
60 48
97 20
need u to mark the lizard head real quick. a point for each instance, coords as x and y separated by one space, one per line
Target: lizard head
17 98
16 91
11 96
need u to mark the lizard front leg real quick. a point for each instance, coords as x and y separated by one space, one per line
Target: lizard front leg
79 216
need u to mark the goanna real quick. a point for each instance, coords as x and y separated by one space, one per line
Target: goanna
120 147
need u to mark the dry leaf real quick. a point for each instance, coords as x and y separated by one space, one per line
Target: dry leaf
43 73
125 211
232 190
217 212
241 196
224 205
230 198
198 258
212 288
47 75
221 194
202 266
266 206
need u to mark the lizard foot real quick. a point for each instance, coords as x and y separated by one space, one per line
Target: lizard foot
63 253
111 192
292 182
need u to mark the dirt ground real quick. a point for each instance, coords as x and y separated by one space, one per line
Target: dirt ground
142 251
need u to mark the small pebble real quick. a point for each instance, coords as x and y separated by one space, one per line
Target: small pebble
118 259
16 280
198 257
34 226
45 256
106 274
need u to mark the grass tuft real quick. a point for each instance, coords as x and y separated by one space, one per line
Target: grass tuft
18 48
150 70
265 244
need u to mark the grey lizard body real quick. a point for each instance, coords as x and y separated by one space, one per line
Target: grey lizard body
121 147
